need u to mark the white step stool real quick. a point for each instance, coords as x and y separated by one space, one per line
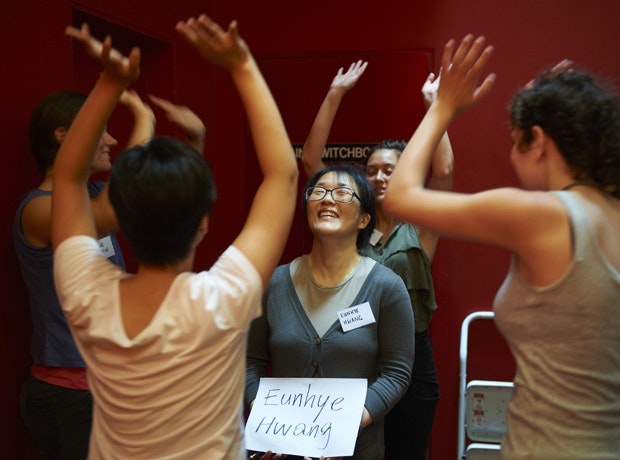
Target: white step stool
482 406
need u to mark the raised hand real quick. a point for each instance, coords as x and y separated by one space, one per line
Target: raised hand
429 89
347 80
124 68
132 100
225 48
460 72
319 132
144 118
185 119
563 65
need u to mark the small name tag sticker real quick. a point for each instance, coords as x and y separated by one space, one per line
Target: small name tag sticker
106 246
375 237
357 316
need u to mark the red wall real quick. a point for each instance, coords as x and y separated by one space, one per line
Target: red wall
528 35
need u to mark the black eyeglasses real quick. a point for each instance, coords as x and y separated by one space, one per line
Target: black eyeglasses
339 194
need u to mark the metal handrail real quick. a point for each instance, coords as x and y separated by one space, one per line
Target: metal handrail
463 376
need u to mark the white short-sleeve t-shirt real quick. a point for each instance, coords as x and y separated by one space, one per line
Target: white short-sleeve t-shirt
175 390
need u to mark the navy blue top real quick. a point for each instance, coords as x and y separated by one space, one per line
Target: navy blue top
51 343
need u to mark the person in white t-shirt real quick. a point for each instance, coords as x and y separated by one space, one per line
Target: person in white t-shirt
165 348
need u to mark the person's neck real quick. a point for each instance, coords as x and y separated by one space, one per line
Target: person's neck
154 272
47 182
332 263
578 183
384 222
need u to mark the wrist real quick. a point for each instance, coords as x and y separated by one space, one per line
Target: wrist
336 91
441 112
197 134
113 82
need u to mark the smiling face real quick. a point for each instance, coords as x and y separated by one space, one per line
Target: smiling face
379 168
328 218
101 159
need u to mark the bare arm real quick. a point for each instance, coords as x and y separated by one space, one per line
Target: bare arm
144 118
185 119
311 155
37 215
71 206
533 225
458 92
265 232
485 217
442 163
408 180
442 167
143 131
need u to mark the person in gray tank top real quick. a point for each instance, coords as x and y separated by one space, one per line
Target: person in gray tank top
558 307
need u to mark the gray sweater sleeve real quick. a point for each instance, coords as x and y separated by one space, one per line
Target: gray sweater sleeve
258 356
396 338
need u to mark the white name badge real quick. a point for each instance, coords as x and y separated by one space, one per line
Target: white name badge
357 316
375 237
106 246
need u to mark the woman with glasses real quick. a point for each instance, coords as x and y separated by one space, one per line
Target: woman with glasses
299 334
408 251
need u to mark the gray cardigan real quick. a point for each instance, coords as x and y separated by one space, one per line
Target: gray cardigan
381 352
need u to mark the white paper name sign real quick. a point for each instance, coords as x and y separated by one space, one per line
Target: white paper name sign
305 416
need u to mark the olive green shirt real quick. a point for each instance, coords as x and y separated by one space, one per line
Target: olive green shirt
403 253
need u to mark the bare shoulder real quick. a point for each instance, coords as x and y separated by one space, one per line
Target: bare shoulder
523 200
511 218
531 213
604 215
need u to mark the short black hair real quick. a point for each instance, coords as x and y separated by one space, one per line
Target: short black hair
160 192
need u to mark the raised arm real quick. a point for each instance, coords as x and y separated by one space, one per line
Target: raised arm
185 119
442 163
311 155
442 166
266 230
458 92
143 130
488 216
71 207
143 116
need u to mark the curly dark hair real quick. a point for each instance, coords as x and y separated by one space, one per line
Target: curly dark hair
583 119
